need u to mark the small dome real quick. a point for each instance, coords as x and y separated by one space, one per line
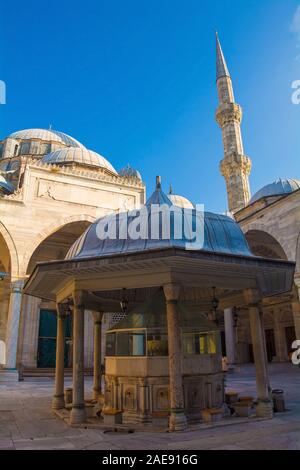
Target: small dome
180 201
129 172
5 187
277 188
81 156
49 135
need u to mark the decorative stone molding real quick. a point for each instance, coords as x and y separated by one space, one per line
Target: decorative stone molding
227 113
234 163
17 195
98 174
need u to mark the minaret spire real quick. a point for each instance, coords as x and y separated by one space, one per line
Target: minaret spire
235 167
222 69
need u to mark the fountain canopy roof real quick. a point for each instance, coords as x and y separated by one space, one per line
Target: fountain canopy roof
202 231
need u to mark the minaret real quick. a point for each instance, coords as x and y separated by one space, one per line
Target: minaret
235 167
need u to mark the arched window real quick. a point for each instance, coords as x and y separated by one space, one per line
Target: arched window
16 150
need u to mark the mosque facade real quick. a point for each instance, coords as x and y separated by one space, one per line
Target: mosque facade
52 188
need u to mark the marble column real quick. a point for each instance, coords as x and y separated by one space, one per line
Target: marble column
78 414
97 354
296 306
280 338
31 321
13 322
58 400
264 407
230 336
296 316
177 420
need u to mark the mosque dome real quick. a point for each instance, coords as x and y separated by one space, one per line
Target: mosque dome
80 156
217 233
180 201
279 187
129 172
48 135
5 187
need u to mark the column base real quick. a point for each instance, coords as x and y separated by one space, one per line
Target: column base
264 409
9 375
58 402
177 421
78 415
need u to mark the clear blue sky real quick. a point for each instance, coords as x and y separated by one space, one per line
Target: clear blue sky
135 81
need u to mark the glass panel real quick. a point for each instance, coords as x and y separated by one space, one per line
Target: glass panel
110 344
157 344
189 343
130 344
25 146
212 344
35 147
138 348
201 343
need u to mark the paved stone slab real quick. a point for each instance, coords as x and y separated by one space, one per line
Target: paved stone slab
48 443
27 421
6 444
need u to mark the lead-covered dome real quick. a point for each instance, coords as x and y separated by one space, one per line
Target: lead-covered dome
219 233
180 201
80 156
279 187
49 135
5 187
129 172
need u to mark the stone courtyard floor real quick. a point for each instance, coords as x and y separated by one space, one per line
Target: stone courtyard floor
26 421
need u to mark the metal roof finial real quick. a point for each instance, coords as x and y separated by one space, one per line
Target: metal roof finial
158 182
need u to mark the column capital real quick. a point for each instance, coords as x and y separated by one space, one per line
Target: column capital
171 292
252 297
61 310
97 316
17 286
79 298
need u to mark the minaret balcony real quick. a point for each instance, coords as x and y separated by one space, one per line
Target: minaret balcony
228 113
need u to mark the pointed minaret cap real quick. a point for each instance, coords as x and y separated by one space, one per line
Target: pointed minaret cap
158 182
222 70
